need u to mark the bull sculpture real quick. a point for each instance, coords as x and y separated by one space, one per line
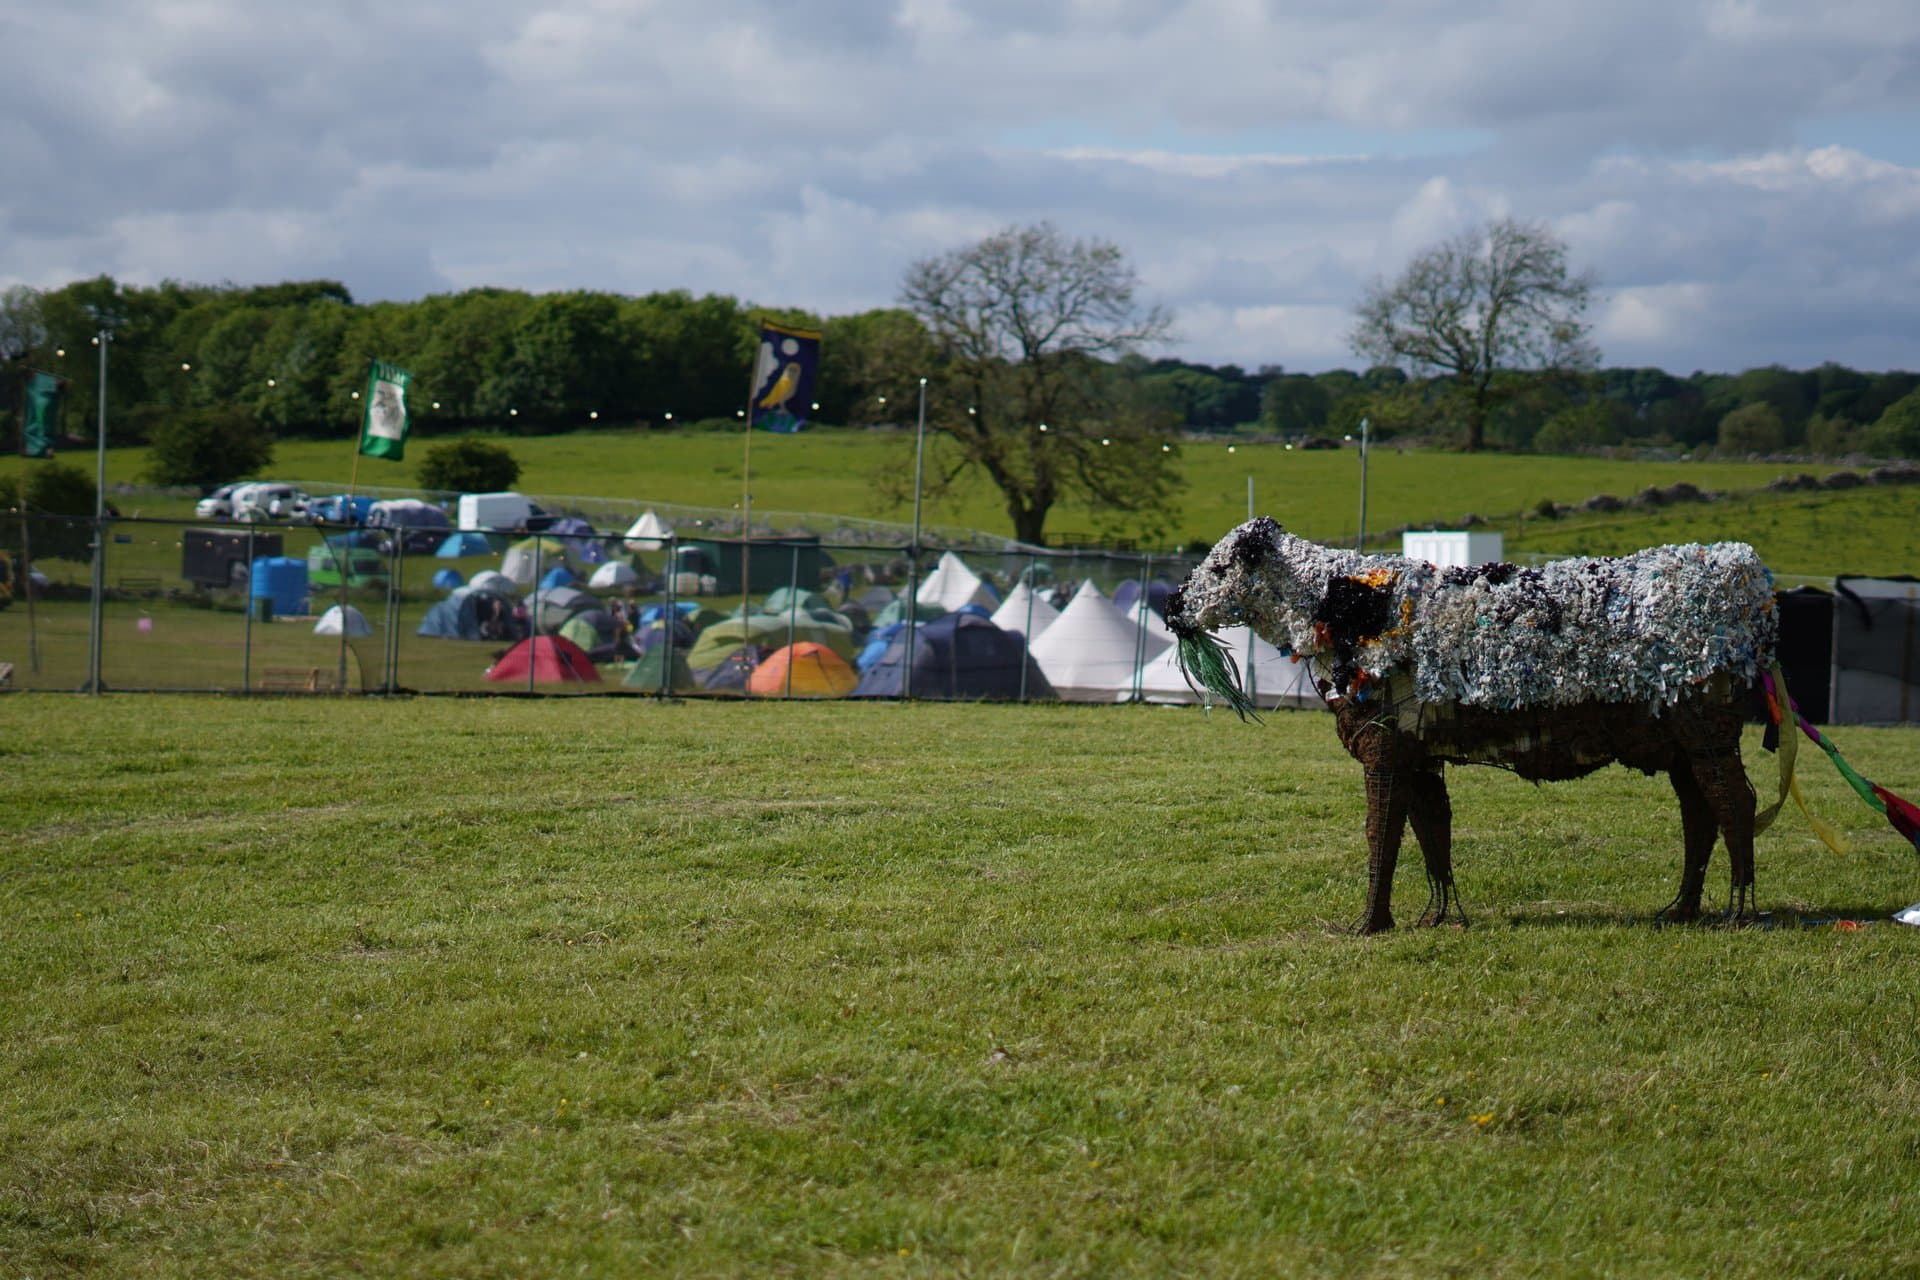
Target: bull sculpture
1648 660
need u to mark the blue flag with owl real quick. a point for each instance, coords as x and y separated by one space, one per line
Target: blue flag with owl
783 375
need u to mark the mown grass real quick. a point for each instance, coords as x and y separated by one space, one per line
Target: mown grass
505 988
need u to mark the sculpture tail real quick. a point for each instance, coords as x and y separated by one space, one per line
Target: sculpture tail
1206 665
1902 815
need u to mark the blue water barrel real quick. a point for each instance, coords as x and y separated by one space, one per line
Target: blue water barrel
283 580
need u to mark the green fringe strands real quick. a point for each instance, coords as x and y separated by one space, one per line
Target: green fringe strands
1206 664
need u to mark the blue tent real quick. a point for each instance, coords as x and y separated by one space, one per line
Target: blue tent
1126 596
558 576
877 645
582 544
472 615
465 543
685 608
447 579
961 657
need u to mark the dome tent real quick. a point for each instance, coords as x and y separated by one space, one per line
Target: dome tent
530 557
343 620
804 670
961 656
613 575
551 659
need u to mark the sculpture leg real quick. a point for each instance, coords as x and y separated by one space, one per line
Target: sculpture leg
1388 793
1723 780
1431 815
1698 829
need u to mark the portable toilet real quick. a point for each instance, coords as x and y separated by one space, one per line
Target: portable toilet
278 585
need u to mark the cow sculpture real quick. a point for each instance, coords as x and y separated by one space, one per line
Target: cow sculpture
1647 660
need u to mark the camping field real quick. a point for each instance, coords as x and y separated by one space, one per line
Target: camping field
447 987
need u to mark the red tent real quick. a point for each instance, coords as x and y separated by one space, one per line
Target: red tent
555 659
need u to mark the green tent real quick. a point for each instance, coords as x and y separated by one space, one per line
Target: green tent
769 632
897 612
781 599
647 673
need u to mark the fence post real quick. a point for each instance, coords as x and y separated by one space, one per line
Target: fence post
533 609
246 635
672 618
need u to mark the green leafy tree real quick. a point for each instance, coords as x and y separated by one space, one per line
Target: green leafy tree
1897 433
468 466
1294 405
208 447
57 502
1023 324
1495 299
1591 425
1830 437
1752 428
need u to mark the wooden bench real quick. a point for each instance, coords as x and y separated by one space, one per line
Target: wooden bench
139 582
297 680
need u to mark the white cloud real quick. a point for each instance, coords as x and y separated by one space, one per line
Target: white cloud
1260 163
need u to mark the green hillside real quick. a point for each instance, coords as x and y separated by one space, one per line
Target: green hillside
1315 494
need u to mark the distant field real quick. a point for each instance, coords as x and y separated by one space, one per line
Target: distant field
1313 493
501 988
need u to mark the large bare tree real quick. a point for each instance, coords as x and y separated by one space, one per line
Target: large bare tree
1494 299
1024 325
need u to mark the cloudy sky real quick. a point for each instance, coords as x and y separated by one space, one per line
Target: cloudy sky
1744 178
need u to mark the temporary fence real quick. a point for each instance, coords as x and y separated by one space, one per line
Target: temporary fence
333 609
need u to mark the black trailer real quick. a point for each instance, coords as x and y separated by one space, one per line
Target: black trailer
223 557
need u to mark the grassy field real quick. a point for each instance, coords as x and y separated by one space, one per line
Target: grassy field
1315 494
505 988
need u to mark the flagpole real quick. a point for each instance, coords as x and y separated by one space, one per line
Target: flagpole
345 564
746 484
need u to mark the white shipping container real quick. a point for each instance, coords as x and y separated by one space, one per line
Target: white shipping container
1450 549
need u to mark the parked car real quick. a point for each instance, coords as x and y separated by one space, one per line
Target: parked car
416 527
268 500
340 508
217 505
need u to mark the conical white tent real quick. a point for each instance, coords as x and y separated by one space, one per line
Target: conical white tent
1275 680
1091 651
1025 612
952 586
614 573
343 618
495 581
649 533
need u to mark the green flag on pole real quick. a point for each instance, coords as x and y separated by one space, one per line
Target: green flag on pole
383 424
43 411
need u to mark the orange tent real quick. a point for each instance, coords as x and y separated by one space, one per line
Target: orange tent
804 670
555 660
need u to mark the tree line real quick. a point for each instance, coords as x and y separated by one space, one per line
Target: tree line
289 356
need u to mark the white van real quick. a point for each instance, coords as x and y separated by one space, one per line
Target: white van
504 512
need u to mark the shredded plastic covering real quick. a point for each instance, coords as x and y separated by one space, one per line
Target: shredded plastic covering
1643 628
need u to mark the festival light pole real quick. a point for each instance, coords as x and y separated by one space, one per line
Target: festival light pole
100 340
913 576
1360 541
